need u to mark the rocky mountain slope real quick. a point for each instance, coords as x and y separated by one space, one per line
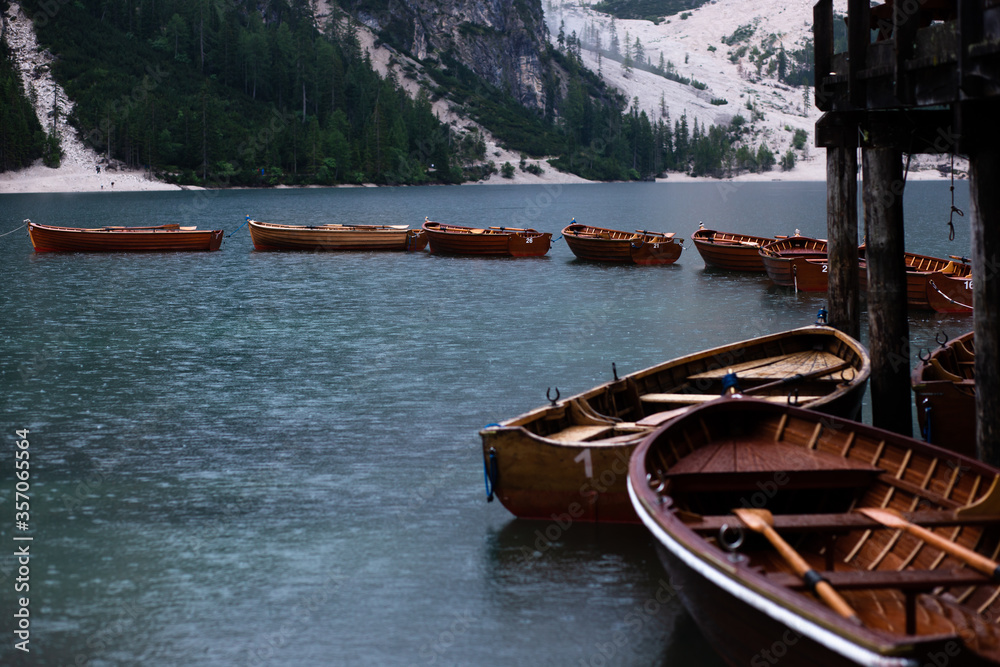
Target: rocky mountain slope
501 41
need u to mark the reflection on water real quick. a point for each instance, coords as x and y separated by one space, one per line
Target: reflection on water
272 458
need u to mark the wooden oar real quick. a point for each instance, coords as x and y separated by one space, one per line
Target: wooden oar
892 519
760 521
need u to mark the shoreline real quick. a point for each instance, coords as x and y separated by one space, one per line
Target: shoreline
74 178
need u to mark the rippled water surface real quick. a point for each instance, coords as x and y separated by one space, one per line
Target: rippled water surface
271 458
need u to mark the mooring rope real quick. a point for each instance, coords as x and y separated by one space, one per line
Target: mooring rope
957 303
23 224
238 228
954 209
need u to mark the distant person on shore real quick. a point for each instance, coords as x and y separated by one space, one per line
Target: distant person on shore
98 168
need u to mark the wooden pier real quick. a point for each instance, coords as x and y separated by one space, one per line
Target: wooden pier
918 76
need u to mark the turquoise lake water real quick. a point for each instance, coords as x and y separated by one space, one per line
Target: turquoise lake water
246 458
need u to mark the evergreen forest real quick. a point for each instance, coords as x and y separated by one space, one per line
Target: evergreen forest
243 93
21 137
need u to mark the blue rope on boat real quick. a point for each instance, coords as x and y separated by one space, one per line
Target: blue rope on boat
821 316
240 227
730 381
490 472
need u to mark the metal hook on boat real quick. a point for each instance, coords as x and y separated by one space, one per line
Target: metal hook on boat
614 370
731 545
937 337
923 355
552 400
844 378
793 397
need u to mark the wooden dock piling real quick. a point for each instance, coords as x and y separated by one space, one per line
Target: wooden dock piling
928 82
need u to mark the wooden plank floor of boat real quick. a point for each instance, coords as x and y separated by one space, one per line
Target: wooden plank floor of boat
884 609
776 368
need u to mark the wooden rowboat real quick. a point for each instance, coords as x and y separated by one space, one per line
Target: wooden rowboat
736 252
944 391
785 261
820 541
611 245
921 269
571 455
170 237
271 236
502 241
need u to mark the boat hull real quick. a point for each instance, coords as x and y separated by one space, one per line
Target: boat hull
266 236
785 263
68 239
538 475
496 242
944 394
947 294
596 244
733 252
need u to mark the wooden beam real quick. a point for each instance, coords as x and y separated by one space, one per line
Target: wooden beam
858 39
909 130
889 333
984 196
823 50
842 232
904 30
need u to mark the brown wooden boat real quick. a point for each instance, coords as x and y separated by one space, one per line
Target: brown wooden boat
944 391
785 262
170 237
947 293
820 541
271 236
641 247
570 456
736 252
502 241
921 269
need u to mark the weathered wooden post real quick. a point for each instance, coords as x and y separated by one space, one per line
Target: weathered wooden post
888 328
984 174
842 232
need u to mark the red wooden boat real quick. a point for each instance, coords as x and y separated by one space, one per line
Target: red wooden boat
271 236
949 294
944 390
785 262
170 237
611 245
571 455
502 241
736 252
816 540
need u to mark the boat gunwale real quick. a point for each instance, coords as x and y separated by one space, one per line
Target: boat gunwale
432 227
518 422
576 231
113 231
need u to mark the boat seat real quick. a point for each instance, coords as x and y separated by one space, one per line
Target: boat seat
581 433
842 523
913 580
726 466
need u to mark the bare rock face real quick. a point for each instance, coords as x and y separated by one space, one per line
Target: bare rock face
502 41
